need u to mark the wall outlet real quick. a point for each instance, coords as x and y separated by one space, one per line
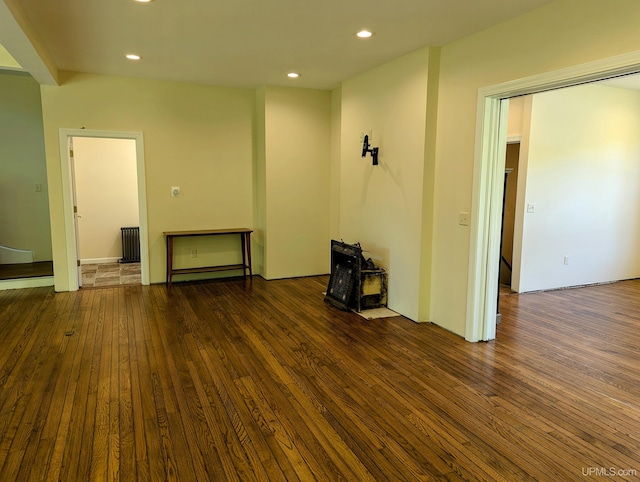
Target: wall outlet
175 191
463 219
38 187
566 259
531 208
194 253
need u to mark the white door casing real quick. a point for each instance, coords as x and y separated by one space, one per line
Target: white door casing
488 178
68 197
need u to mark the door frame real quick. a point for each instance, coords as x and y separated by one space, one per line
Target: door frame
488 178
67 195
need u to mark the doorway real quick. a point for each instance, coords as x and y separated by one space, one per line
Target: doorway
488 187
72 212
106 194
509 213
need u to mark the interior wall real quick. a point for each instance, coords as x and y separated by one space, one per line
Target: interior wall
381 206
197 137
584 185
297 172
576 31
24 207
521 193
336 133
106 195
516 112
7 60
428 183
260 182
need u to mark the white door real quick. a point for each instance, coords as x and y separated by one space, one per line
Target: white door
75 207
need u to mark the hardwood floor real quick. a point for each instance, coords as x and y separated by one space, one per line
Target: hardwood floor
240 380
26 270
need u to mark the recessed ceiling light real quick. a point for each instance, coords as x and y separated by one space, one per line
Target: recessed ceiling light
364 34
293 75
133 57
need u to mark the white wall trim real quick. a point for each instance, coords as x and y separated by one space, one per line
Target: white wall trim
67 197
99 260
617 66
487 185
18 284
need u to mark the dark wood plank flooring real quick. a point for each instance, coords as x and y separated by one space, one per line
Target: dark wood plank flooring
26 270
240 380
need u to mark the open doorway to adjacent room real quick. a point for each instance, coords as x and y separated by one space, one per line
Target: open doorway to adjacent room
106 188
554 212
575 200
105 208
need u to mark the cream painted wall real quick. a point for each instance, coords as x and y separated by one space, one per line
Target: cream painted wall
381 206
260 183
336 132
521 191
24 211
584 180
560 34
428 186
7 60
516 113
197 137
297 176
106 193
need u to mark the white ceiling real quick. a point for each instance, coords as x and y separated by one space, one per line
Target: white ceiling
245 43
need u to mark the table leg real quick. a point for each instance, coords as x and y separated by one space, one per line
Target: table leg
243 246
247 241
169 259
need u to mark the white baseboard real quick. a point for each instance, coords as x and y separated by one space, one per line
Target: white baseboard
17 284
99 260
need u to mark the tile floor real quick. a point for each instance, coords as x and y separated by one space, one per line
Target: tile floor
110 274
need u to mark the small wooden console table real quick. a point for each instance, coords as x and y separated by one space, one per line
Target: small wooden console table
245 241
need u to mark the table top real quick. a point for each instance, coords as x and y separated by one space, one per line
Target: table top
207 232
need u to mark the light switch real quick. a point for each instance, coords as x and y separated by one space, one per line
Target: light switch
463 219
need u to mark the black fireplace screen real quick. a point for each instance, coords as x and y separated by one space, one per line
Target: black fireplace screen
346 260
355 283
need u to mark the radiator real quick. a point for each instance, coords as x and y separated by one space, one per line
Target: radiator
130 244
